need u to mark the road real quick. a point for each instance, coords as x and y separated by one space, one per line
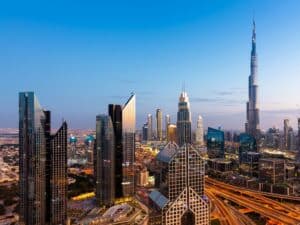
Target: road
255 201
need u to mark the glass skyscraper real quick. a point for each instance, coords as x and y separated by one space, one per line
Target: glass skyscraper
42 165
159 124
215 142
105 161
184 130
128 132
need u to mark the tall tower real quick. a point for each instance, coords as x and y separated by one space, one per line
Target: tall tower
32 166
42 165
252 124
128 130
184 120
286 127
115 113
167 122
159 124
105 161
58 181
150 126
199 131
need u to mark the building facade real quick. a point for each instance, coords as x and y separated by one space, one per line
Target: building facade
180 198
215 142
199 131
184 130
105 161
159 124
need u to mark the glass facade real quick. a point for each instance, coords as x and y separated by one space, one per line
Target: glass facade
215 141
32 160
184 130
128 127
247 144
105 161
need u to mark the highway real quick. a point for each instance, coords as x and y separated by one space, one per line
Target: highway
255 201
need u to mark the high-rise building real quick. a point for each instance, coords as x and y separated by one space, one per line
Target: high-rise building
42 165
145 132
105 161
184 130
180 198
115 113
128 132
32 162
167 122
215 142
58 177
252 124
286 127
247 144
150 127
159 124
172 133
199 132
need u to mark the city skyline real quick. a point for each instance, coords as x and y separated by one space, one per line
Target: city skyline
73 58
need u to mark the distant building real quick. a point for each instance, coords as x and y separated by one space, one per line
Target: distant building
143 177
272 170
167 122
199 132
105 161
249 164
215 143
184 130
145 132
150 127
286 127
180 198
172 133
159 124
247 144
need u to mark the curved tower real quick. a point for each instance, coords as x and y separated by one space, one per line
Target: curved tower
252 124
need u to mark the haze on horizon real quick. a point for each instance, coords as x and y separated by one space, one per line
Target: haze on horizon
79 58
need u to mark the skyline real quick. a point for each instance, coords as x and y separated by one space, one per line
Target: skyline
175 47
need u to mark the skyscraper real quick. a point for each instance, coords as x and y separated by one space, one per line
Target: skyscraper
32 162
128 132
105 161
42 165
150 126
252 124
167 122
159 124
115 113
215 143
180 198
172 133
184 120
199 131
58 177
286 127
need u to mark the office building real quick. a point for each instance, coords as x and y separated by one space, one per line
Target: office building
247 144
105 161
150 127
159 124
180 198
42 165
145 132
252 124
272 170
115 113
286 127
199 132
128 134
215 143
167 122
184 130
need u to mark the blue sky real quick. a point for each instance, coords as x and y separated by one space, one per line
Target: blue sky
78 56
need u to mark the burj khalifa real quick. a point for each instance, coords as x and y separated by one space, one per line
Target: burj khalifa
252 125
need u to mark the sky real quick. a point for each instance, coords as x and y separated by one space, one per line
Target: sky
78 56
